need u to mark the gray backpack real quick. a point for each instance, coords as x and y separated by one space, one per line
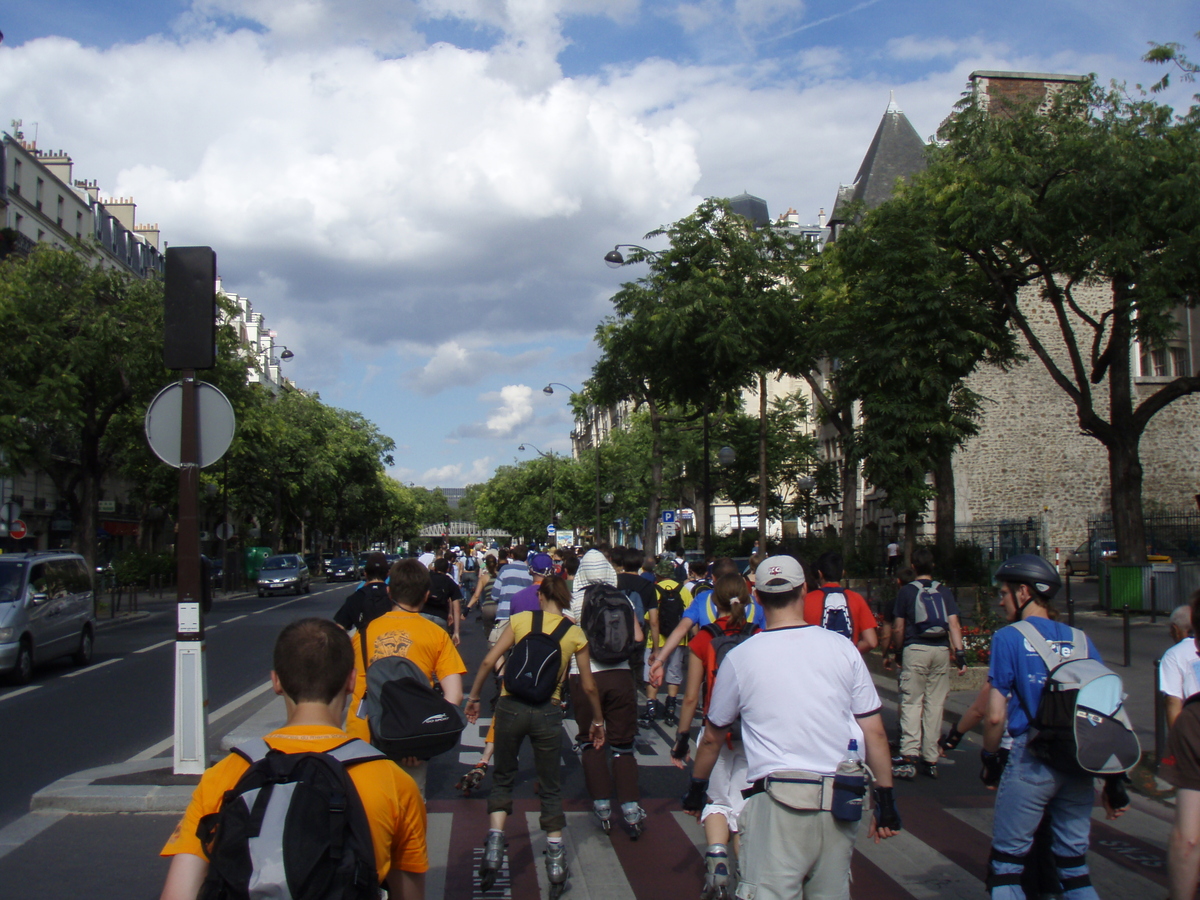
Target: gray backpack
1080 726
929 611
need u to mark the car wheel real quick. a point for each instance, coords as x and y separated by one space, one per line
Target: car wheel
22 672
261 594
83 655
308 587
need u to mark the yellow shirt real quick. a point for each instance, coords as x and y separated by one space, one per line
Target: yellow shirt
408 634
685 595
522 623
393 805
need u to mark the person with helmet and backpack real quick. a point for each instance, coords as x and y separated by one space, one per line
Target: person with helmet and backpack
1038 778
530 706
839 609
728 777
609 621
356 799
926 627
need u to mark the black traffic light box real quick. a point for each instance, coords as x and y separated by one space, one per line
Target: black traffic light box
190 308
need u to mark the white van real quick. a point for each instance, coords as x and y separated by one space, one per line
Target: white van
46 611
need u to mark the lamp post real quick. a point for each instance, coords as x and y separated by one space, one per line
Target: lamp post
615 259
549 389
806 484
549 456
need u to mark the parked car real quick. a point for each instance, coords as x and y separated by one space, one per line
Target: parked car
1079 560
287 572
341 568
46 611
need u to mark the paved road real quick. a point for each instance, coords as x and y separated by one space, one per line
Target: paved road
941 854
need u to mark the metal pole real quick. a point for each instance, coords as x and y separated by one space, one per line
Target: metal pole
1125 628
596 442
225 525
1160 718
1070 603
708 529
1153 598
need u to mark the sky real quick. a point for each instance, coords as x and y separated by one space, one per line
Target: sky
418 194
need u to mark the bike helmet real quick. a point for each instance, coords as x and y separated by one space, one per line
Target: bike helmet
1030 569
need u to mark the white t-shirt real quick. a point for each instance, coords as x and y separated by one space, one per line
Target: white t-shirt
1179 671
798 691
426 559
893 549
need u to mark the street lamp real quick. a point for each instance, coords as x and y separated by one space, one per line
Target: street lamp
806 484
549 456
549 389
615 259
286 354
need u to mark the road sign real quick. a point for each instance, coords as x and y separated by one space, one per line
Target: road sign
686 515
668 515
669 529
165 415
10 511
550 529
17 530
225 531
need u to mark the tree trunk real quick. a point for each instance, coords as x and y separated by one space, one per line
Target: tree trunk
762 463
849 506
1124 464
943 477
653 511
911 519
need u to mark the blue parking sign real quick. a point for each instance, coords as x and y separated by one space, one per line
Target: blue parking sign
668 515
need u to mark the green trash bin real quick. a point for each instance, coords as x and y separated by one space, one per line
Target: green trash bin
253 561
1127 587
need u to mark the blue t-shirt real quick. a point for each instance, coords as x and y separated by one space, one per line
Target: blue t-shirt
703 611
1017 669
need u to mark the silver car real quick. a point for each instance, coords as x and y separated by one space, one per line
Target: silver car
46 611
286 572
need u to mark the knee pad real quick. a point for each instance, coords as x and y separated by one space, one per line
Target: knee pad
583 746
995 879
1074 882
622 749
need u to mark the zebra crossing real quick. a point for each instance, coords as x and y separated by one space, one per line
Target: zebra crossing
940 855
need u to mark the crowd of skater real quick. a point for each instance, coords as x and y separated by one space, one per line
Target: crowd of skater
781 777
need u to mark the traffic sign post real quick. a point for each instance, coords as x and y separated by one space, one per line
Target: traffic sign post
551 530
17 530
668 516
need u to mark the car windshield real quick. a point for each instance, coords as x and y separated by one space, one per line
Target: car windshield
342 561
11 578
279 562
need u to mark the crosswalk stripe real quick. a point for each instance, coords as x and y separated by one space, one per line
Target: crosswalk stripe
919 869
437 840
596 871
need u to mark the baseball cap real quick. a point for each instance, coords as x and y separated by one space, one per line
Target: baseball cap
778 575
541 564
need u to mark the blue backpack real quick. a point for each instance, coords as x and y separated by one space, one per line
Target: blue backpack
835 612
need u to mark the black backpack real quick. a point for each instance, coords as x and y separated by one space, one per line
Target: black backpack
608 622
406 716
722 643
670 609
531 673
375 602
311 835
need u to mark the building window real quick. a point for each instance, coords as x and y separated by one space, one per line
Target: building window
1179 361
60 211
79 226
41 235
20 221
38 197
16 185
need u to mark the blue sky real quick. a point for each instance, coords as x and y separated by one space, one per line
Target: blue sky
418 193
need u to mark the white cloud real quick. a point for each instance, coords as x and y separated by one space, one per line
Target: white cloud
457 365
922 49
514 410
458 474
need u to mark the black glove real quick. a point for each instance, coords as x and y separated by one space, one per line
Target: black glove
680 750
951 739
886 814
695 798
960 658
1114 791
993 766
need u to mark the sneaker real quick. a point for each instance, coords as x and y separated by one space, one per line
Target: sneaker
493 859
904 767
928 769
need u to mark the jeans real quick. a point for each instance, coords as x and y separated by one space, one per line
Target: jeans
1028 788
924 684
542 724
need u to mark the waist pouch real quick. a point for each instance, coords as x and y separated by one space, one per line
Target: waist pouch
804 791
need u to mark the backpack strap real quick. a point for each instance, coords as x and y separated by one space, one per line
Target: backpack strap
355 751
713 629
561 630
538 618
1042 646
253 750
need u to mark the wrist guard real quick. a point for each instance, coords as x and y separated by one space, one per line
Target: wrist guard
951 739
886 814
694 799
993 766
1114 791
680 750
960 658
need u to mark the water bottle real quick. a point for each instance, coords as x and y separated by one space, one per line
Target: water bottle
849 786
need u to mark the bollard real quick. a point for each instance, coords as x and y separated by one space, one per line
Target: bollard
1070 603
1160 719
1125 613
1153 597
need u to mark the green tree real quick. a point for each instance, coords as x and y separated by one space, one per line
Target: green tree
1100 191
82 343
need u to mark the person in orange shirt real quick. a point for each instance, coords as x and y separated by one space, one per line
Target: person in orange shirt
314 672
839 609
405 632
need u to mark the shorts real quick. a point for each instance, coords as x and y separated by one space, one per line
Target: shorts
497 630
1181 765
672 667
725 784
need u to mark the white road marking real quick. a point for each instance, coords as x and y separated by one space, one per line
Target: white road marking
167 743
156 646
107 662
918 868
596 871
234 619
19 691
26 828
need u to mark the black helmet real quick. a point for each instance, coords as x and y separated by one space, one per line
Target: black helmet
1030 569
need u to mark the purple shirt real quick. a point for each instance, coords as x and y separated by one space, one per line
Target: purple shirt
525 600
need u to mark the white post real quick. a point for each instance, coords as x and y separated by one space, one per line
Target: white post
191 694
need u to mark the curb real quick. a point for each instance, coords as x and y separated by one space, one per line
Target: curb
122 619
78 793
